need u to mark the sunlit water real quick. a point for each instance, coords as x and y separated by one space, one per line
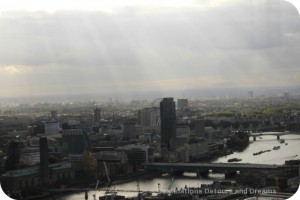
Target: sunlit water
286 152
167 182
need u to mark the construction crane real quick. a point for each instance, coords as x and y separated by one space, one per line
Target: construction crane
106 171
109 181
170 186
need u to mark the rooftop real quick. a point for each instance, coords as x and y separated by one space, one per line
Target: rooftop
35 170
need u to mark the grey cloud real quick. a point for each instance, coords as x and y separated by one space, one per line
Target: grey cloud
132 44
80 38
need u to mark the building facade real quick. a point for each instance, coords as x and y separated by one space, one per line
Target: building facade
149 116
182 103
27 179
200 127
75 141
168 121
14 149
30 156
51 127
97 114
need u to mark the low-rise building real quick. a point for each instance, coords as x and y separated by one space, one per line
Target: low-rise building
29 156
16 181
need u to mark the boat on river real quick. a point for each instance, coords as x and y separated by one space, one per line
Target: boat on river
257 153
276 147
260 152
234 160
281 140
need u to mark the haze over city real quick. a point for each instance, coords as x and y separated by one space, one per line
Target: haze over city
149 99
66 47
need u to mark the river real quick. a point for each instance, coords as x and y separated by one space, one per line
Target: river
288 150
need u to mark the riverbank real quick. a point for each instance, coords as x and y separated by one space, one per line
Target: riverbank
50 193
150 181
164 183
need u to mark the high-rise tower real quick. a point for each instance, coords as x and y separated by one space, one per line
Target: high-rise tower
54 114
168 121
44 160
97 114
14 149
200 126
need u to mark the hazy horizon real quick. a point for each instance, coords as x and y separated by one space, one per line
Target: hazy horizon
121 47
200 94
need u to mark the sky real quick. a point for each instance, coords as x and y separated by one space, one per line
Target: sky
94 46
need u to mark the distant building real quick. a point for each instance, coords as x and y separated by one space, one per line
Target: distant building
75 141
15 181
38 128
97 114
168 121
29 156
198 149
129 131
182 103
54 114
14 149
200 127
179 150
137 154
44 170
51 127
149 116
183 131
286 96
111 156
250 94
73 124
15 133
213 148
209 133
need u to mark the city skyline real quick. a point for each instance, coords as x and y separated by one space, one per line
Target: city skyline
87 47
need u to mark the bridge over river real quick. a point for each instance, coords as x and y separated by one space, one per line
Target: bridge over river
204 168
277 134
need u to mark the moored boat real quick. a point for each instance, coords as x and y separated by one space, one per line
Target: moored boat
234 160
276 147
281 140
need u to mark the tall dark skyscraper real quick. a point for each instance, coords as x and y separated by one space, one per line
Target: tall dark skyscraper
13 161
200 127
97 114
44 160
168 121
54 114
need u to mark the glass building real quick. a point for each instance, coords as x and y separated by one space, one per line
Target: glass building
168 121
